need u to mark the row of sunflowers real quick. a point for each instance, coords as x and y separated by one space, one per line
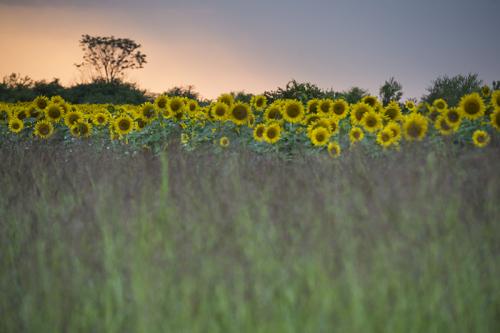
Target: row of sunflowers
318 125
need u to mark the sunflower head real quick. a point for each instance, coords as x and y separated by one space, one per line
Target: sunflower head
4 114
293 111
453 116
224 142
356 134
325 107
395 129
320 136
16 125
358 111
176 105
227 99
340 108
272 133
240 113
57 99
72 117
161 101
411 106
123 124
385 137
219 111
442 125
370 100
273 112
480 138
495 99
101 118
192 106
41 102
34 112
44 129
485 91
472 106
333 149
415 127
312 106
53 112
371 121
392 111
440 105
258 132
321 122
258 102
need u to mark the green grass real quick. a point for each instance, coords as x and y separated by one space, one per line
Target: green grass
234 242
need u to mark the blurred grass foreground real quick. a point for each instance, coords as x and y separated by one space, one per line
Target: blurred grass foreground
237 242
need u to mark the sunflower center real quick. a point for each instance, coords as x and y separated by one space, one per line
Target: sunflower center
271 133
220 111
338 109
259 132
453 116
240 112
44 129
444 125
481 138
385 137
175 106
293 111
124 124
414 130
54 113
471 107
371 122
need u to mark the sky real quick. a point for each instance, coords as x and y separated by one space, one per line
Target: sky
222 45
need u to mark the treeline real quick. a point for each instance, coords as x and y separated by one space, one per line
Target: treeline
15 88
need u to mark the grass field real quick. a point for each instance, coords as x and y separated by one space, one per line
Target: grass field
238 242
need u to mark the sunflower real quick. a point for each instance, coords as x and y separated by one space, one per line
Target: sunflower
392 111
57 99
176 105
21 114
333 149
240 113
495 99
224 142
16 125
440 104
258 132
294 111
161 101
325 107
140 123
100 118
396 130
192 106
358 111
356 134
258 102
340 108
53 112
272 133
385 137
472 106
441 124
453 117
41 102
410 105
44 129
227 99
371 121
34 112
320 136
75 130
415 127
321 122
370 100
219 111
123 124
72 117
312 106
486 91
147 111
273 112
311 118
495 119
480 138
334 125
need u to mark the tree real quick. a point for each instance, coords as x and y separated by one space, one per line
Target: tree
452 89
107 58
354 95
392 90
